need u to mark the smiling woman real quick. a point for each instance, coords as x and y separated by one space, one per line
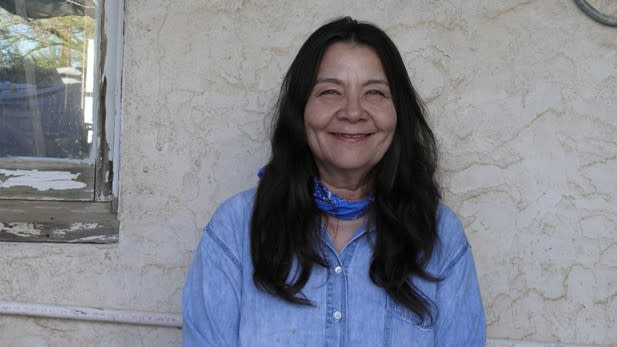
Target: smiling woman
349 118
345 241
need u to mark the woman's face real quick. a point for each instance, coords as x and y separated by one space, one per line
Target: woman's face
349 117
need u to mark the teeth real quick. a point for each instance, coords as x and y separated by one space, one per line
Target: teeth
351 136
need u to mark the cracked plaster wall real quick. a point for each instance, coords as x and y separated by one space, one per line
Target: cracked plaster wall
522 97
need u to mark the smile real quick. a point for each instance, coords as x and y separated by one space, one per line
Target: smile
345 136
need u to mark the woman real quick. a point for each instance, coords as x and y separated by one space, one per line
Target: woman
344 242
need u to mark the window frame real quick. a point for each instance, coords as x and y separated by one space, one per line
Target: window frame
88 214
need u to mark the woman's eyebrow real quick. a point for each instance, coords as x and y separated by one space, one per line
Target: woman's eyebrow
339 82
329 80
375 81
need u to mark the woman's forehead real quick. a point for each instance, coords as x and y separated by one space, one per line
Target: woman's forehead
345 57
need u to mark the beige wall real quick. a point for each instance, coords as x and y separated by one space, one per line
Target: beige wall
522 96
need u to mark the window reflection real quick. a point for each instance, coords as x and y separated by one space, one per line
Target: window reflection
46 78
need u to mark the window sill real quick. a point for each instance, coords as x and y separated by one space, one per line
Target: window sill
58 221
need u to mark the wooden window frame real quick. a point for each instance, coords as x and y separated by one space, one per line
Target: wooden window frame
88 214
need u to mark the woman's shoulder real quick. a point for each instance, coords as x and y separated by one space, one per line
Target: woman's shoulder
451 240
237 205
448 221
230 222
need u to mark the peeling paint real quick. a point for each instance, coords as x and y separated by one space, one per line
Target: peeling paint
20 229
31 229
41 180
99 238
76 232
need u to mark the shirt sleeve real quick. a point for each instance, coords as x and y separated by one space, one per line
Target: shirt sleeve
460 320
211 297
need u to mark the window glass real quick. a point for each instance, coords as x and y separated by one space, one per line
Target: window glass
47 60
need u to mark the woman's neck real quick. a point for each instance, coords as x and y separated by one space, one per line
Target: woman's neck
340 230
346 188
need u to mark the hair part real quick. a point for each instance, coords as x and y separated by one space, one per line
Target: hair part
285 235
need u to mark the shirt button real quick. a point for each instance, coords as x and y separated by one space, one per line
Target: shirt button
337 315
338 269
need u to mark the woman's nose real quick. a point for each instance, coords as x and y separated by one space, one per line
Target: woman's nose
353 108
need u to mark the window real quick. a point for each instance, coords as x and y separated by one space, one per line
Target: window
59 119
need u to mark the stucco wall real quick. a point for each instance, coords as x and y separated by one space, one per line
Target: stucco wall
522 97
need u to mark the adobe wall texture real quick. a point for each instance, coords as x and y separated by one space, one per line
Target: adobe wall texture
522 98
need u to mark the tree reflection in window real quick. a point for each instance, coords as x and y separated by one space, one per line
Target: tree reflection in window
46 78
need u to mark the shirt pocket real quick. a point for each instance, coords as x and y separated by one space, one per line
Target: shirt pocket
405 328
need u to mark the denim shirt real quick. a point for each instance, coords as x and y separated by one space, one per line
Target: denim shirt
222 306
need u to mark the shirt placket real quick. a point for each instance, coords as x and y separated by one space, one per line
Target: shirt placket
337 288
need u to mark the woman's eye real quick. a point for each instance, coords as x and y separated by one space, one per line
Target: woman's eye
375 92
328 92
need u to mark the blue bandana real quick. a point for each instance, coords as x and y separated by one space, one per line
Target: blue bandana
332 204
261 172
335 206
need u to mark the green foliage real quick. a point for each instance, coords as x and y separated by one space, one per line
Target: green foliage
44 44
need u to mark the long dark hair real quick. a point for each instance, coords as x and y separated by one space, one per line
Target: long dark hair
285 241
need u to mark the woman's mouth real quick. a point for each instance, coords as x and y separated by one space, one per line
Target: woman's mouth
352 136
